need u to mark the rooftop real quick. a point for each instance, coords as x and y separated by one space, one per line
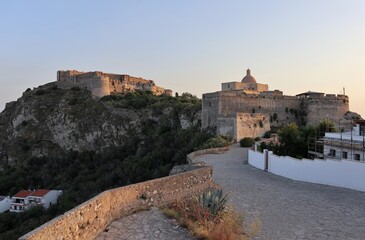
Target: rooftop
23 194
40 192
248 78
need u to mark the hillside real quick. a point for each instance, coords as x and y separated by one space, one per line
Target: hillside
66 139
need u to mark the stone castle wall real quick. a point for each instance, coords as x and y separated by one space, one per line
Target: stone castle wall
90 218
101 84
236 114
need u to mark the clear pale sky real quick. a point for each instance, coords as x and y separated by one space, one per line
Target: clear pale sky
188 46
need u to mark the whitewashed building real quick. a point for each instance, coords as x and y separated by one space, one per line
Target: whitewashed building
347 145
26 199
5 202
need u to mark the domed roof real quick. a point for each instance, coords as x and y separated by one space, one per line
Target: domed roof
248 78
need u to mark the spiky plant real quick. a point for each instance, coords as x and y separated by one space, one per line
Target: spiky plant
213 200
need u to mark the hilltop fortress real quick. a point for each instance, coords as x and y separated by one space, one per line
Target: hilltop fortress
101 84
249 109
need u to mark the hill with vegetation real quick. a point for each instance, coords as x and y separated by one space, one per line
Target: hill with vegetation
65 139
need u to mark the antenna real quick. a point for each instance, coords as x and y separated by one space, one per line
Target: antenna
344 91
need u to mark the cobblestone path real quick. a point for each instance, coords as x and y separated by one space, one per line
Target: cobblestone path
288 209
146 225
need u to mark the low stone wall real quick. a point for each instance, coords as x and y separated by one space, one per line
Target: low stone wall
192 155
87 220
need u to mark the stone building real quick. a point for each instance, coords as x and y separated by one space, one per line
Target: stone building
101 84
249 109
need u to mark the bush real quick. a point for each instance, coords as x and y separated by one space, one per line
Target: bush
76 89
40 92
247 142
198 218
216 142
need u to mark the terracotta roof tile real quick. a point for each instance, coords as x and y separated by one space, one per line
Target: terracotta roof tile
22 194
40 193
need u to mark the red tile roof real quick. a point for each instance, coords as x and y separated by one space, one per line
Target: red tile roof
23 194
40 192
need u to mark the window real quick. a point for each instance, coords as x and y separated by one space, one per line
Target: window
344 155
357 157
332 153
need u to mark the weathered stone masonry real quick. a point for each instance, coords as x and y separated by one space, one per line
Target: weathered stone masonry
101 84
250 113
90 218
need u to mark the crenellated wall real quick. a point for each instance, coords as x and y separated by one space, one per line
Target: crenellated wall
234 113
87 220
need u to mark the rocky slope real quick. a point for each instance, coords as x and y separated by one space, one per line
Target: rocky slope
47 121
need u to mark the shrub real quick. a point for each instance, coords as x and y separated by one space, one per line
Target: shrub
247 142
198 217
261 124
76 89
275 117
216 142
40 92
213 200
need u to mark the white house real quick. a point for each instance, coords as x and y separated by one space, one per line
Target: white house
346 145
20 201
5 202
24 200
44 197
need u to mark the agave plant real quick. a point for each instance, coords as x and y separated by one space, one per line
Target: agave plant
213 200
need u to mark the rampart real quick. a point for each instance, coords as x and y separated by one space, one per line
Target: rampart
239 114
101 84
87 220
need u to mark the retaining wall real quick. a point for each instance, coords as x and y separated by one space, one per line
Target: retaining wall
90 218
339 173
192 155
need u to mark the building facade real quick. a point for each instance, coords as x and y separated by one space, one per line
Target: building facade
346 145
25 199
249 109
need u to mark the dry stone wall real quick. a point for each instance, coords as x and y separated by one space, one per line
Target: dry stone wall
90 218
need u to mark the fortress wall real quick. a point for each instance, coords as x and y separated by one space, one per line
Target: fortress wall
99 86
90 218
325 108
218 109
251 125
268 106
210 106
113 77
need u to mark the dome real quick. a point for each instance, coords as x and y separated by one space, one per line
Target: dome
248 78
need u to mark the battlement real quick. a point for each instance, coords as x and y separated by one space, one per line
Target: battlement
101 84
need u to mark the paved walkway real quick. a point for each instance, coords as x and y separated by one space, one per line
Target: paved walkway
288 209
146 225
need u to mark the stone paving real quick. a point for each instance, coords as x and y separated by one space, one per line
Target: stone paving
146 225
288 209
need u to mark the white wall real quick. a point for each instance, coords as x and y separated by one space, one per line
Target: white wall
344 173
256 159
51 197
5 205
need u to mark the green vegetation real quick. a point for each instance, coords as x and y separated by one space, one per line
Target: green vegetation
294 140
247 142
208 217
149 151
217 141
213 200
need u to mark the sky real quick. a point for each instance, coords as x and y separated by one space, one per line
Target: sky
188 46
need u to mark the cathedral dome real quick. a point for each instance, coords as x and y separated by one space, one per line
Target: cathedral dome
248 78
